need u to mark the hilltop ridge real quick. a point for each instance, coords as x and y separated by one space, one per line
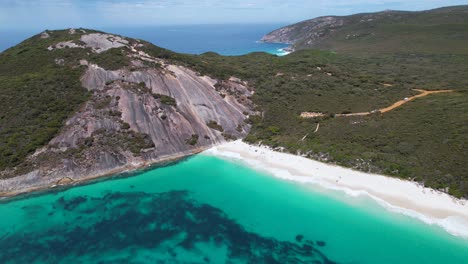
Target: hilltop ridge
79 103
441 30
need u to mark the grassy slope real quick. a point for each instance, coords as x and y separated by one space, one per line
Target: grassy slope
423 140
435 31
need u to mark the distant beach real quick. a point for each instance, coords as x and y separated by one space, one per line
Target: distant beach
283 52
401 196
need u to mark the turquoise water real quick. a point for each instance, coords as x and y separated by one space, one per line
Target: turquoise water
208 210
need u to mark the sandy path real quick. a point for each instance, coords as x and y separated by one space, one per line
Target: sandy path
422 94
382 110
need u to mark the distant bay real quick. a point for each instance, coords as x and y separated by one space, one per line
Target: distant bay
227 40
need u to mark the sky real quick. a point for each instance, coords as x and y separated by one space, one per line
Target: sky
57 14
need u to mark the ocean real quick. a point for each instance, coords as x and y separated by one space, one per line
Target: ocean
227 40
205 209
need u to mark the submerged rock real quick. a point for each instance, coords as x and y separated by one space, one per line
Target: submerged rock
171 225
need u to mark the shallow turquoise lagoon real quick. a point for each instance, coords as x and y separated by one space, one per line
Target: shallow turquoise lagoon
209 210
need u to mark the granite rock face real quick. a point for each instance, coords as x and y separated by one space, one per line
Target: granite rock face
98 42
135 117
306 33
310 30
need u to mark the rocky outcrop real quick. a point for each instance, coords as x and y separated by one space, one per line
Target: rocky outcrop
102 42
135 118
312 30
98 42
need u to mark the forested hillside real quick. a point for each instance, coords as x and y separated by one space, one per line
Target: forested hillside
351 108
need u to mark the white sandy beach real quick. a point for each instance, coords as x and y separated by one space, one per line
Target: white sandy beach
428 205
283 52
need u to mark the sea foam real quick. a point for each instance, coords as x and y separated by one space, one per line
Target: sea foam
454 225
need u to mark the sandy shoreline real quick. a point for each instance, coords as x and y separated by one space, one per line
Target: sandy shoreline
409 198
284 52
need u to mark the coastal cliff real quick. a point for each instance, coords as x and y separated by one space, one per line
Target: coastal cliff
437 30
78 104
312 30
143 111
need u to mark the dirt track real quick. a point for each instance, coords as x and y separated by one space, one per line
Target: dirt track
382 110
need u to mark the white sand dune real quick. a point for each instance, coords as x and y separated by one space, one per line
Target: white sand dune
409 198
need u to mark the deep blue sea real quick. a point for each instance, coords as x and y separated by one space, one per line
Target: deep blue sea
194 39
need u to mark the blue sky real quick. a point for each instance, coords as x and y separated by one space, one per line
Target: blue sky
54 14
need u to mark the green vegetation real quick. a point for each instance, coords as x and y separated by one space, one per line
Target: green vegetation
126 140
423 140
40 89
443 30
214 125
36 95
228 136
125 126
193 140
112 59
166 99
136 142
103 102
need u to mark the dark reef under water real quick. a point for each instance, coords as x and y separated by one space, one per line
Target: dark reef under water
208 210
119 225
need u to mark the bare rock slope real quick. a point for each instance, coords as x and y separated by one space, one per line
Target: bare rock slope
143 113
312 30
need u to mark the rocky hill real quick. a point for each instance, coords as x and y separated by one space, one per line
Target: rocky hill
78 104
82 103
439 30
